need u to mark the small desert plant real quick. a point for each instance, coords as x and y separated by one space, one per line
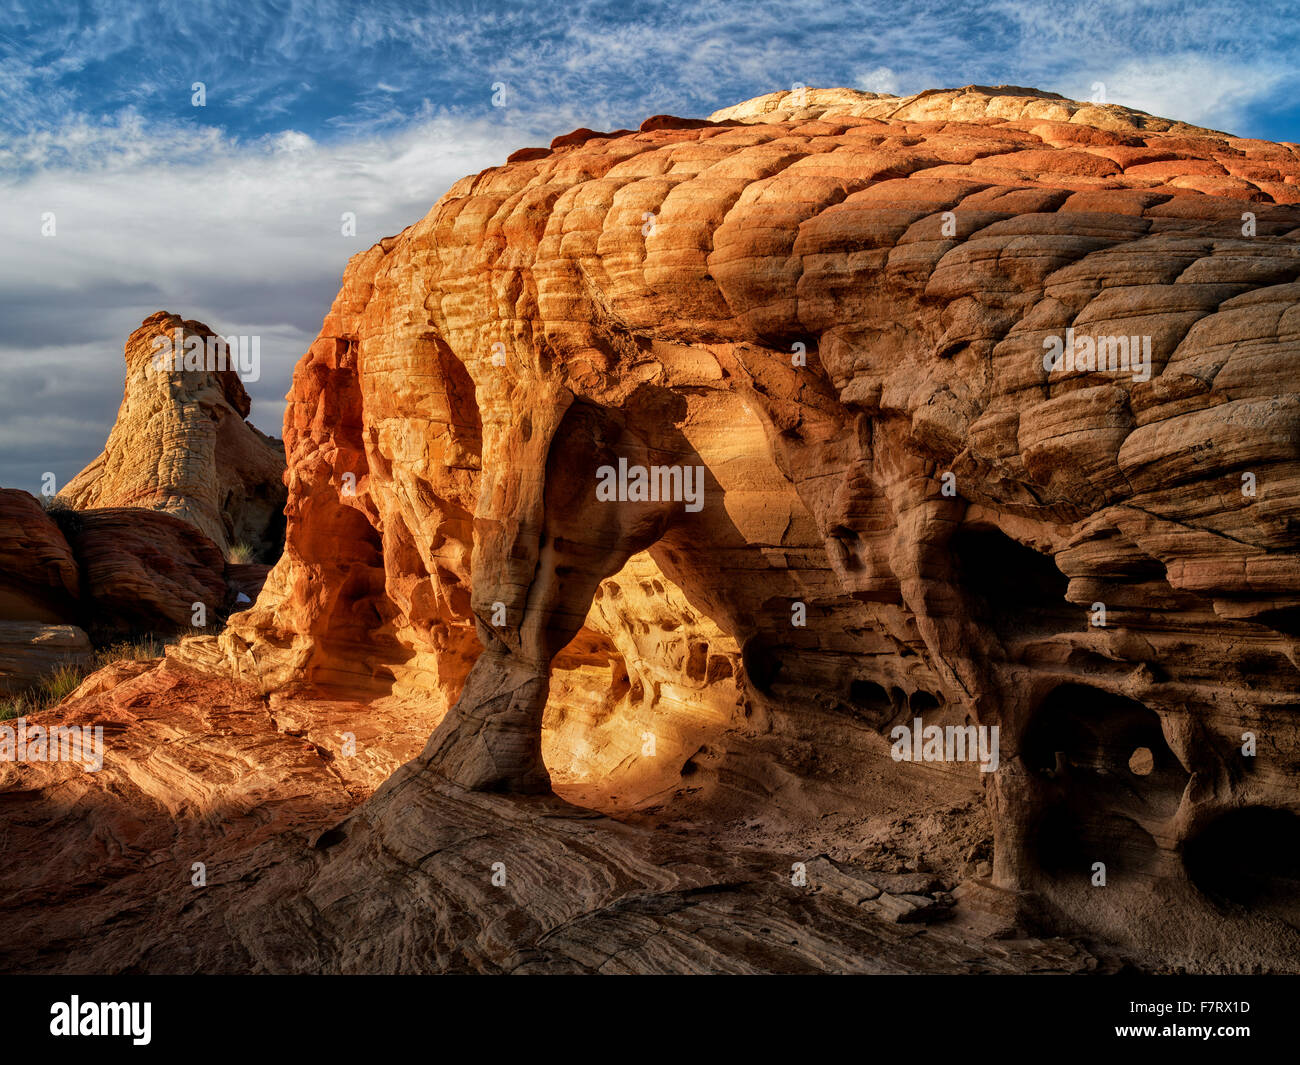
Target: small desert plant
61 683
139 649
239 553
63 514
50 691
65 678
12 706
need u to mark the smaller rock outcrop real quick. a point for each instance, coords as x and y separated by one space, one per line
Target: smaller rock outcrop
144 569
39 579
112 572
181 443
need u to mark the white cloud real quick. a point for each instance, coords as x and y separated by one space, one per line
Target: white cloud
345 108
882 79
293 141
246 238
1204 92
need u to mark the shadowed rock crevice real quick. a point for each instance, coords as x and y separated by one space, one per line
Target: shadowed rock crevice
1249 857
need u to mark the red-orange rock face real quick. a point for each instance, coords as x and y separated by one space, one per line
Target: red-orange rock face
39 580
145 569
114 570
840 314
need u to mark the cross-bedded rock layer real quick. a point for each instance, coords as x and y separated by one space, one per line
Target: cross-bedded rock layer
838 307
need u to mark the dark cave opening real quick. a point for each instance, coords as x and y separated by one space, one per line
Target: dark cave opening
1285 620
869 696
1105 773
1250 857
871 704
761 663
1078 728
1012 589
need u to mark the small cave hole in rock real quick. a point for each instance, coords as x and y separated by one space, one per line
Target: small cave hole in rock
697 658
870 702
1141 762
1285 620
922 702
1080 729
1013 589
719 669
1104 772
847 546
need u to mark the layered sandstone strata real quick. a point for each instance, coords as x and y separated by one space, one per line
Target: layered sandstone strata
836 305
181 443
113 571
39 576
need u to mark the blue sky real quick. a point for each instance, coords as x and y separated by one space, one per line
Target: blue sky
230 212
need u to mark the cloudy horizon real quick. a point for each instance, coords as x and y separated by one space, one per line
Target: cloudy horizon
229 212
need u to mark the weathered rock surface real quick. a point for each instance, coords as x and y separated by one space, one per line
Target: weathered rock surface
39 579
216 839
947 510
835 305
145 569
113 570
181 444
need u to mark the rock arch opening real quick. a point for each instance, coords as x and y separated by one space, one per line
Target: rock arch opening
646 684
1106 778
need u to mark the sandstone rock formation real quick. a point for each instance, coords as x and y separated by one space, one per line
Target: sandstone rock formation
836 307
39 578
945 508
141 534
181 444
147 569
113 571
